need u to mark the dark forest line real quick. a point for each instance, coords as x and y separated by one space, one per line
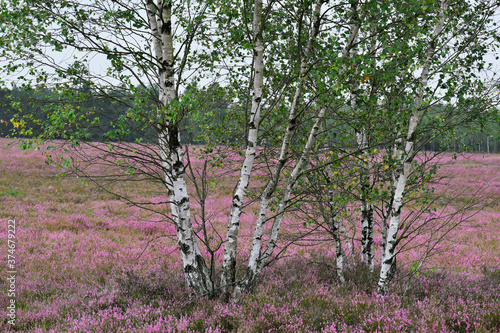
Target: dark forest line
109 109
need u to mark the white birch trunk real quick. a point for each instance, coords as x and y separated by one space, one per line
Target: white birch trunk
404 168
229 263
172 156
383 236
390 248
273 237
339 252
367 219
257 260
398 154
250 274
333 224
366 207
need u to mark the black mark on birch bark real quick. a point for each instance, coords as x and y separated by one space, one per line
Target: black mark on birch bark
184 248
167 27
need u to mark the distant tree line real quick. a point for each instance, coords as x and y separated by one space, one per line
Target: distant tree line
473 138
110 108
483 140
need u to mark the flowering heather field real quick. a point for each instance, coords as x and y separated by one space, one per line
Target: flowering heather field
80 267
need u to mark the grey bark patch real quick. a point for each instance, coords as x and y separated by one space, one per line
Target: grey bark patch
232 269
413 137
248 282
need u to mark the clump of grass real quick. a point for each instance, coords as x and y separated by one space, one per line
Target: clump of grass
149 287
12 192
491 276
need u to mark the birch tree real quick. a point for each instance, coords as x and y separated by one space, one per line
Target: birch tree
402 66
148 51
229 265
431 64
150 56
138 43
362 142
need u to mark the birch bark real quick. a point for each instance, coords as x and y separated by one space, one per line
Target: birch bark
334 225
229 262
251 276
404 168
171 153
251 273
366 207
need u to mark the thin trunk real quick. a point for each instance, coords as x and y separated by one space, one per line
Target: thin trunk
249 279
330 216
367 254
196 272
349 241
397 152
341 257
364 175
333 224
388 258
229 263
354 30
339 252
404 167
367 217
367 234
257 260
383 236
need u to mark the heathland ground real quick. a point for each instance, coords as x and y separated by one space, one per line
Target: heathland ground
80 269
